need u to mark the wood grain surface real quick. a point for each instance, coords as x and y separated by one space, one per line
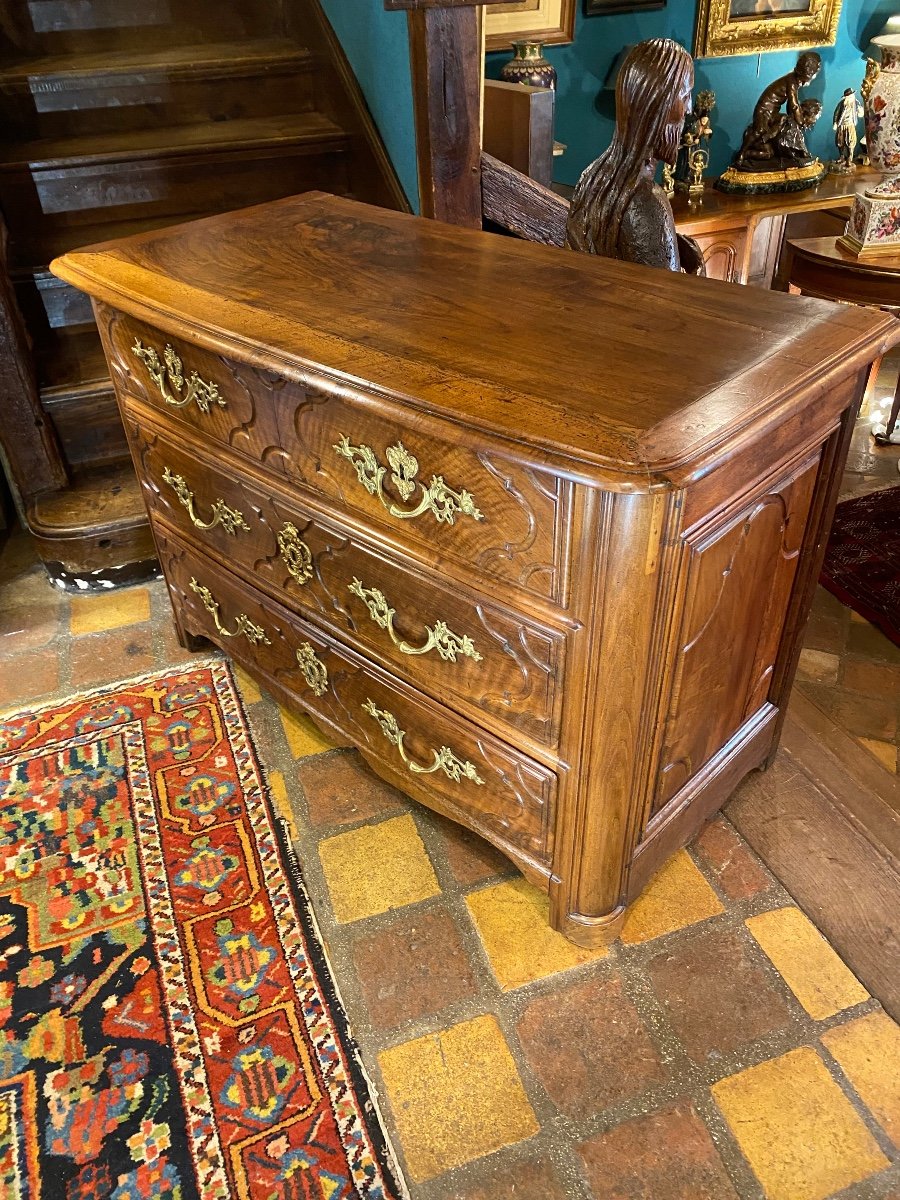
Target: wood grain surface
430 322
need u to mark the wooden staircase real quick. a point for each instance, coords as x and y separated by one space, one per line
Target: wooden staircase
121 116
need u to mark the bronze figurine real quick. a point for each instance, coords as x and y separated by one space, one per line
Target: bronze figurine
618 210
774 156
762 134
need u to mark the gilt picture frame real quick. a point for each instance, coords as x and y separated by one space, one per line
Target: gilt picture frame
551 22
728 27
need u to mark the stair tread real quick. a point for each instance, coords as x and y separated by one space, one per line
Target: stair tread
170 60
71 359
170 141
100 500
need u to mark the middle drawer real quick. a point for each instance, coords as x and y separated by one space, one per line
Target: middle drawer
439 637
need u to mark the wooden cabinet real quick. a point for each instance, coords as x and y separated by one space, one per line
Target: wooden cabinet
742 236
536 532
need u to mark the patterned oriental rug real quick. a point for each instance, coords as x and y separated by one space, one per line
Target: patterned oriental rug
862 562
168 1024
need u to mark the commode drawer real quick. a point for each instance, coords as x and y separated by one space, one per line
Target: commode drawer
481 508
442 639
459 767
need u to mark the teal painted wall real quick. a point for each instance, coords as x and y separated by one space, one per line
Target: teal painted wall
376 45
585 122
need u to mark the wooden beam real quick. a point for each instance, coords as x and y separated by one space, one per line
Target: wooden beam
445 57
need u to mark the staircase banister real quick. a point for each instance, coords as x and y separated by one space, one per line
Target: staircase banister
520 205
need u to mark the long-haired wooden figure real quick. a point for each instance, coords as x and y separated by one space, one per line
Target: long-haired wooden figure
618 210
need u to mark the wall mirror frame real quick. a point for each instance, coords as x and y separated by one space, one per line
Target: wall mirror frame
548 21
726 27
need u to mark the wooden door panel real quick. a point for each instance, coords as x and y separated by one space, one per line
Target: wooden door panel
739 577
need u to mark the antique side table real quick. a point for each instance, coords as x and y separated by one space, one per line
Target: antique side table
820 267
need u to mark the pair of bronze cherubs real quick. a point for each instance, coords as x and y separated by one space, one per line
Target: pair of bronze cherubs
776 135
617 209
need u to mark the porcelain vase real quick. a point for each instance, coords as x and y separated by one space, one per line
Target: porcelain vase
882 107
529 66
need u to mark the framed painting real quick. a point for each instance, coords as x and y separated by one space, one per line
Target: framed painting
750 26
547 21
594 8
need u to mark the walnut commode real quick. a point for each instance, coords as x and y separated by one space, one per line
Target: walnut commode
537 533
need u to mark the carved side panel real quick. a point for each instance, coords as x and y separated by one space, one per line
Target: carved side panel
739 580
31 451
723 253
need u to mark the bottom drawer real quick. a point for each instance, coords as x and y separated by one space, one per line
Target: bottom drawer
435 756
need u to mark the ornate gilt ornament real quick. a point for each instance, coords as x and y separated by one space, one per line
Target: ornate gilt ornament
437 498
295 553
440 638
813 171
253 633
727 27
170 374
314 670
444 758
229 518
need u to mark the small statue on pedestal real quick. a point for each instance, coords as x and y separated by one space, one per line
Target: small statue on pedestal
846 115
618 210
693 156
773 156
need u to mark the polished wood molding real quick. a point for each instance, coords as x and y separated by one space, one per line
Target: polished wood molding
822 267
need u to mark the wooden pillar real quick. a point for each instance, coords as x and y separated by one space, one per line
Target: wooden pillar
27 439
445 54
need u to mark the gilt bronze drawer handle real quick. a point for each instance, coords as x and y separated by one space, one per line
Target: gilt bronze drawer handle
253 633
437 498
444 759
440 638
314 670
229 518
171 374
295 553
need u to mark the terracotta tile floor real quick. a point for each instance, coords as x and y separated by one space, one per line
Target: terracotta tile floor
720 1049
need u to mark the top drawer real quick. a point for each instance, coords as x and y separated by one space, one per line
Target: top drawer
446 501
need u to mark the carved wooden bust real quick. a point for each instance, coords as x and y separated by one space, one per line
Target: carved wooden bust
618 210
